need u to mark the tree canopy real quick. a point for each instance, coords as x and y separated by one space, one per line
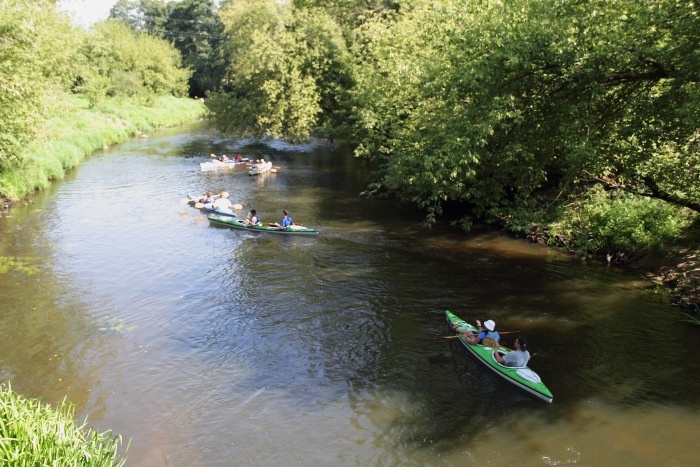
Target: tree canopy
521 112
43 58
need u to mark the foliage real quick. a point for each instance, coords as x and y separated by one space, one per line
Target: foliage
196 31
191 26
141 15
36 52
616 221
32 433
121 63
289 68
507 106
81 129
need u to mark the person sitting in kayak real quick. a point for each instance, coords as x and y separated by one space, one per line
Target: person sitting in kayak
206 198
285 222
252 218
518 357
488 331
223 204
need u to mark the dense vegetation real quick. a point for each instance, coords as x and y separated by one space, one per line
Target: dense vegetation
32 433
576 123
65 92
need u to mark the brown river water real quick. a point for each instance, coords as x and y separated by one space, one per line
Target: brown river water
206 346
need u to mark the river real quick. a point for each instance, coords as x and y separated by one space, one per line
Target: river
205 346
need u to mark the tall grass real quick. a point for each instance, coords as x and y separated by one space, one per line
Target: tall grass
77 130
33 434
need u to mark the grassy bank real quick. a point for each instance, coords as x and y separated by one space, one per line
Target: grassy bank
35 434
78 130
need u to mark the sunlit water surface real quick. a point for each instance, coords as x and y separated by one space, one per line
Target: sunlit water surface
211 347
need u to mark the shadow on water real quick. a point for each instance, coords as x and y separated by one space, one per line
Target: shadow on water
205 344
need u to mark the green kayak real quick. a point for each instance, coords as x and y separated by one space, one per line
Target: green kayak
233 223
522 377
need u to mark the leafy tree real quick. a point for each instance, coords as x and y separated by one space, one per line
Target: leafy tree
351 13
289 70
141 15
504 105
116 65
37 52
196 31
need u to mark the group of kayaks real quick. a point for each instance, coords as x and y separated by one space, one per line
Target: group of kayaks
522 377
257 167
227 217
216 164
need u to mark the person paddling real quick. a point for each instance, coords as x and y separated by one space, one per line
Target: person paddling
487 331
285 222
252 218
518 357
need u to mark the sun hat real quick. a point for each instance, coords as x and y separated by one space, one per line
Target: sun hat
490 325
224 194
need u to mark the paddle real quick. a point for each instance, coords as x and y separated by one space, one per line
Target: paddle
458 335
499 332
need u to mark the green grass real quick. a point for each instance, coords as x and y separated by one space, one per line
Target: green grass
77 130
33 434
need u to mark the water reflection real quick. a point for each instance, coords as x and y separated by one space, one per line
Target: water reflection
207 345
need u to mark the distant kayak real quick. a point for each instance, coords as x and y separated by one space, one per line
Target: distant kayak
216 164
260 168
224 221
522 377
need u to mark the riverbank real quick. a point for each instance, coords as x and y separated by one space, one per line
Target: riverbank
679 272
79 130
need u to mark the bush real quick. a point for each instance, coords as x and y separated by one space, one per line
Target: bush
34 434
618 221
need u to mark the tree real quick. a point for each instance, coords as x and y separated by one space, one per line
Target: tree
115 64
504 105
289 71
37 52
196 31
141 15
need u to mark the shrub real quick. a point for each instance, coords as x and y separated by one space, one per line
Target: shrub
35 434
605 221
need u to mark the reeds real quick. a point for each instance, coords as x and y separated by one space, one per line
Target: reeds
34 434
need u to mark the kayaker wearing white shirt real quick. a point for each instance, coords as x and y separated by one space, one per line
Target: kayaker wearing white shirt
518 357
223 204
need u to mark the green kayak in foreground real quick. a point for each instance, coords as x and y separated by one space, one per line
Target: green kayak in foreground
522 377
233 223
